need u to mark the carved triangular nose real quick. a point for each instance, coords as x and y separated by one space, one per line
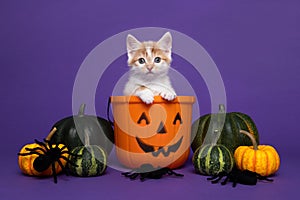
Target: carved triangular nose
161 129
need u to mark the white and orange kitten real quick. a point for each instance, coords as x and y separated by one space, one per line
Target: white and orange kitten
149 64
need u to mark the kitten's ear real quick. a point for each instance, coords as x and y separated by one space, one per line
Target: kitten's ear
132 43
165 42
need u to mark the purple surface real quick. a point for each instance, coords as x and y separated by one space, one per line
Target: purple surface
255 45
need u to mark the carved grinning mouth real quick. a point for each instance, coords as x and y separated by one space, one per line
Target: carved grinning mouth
148 148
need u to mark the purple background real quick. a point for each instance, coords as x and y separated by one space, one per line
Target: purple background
255 45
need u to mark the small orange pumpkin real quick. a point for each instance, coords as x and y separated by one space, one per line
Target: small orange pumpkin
26 162
261 159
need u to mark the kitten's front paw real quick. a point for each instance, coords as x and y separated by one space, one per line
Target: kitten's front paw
168 95
147 97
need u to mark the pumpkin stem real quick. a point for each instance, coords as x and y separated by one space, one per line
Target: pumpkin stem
251 138
51 133
86 139
81 109
215 126
221 108
217 123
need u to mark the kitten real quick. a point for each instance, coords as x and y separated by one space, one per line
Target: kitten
149 64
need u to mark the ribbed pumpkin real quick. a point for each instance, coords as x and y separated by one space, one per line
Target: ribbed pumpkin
70 130
91 160
212 160
230 136
26 162
262 159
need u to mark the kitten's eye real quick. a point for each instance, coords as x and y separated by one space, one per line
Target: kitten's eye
157 60
141 60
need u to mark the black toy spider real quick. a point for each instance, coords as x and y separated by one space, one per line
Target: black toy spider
50 154
147 171
237 176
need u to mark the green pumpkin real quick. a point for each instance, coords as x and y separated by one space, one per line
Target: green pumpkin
99 131
91 160
230 134
212 160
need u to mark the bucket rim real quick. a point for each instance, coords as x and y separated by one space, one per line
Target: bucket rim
157 99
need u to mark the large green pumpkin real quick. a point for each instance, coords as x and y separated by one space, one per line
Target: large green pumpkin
212 160
230 134
71 130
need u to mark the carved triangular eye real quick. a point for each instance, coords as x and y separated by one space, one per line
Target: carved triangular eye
178 117
161 129
143 117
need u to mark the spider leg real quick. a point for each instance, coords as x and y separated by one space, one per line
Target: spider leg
212 177
42 144
225 180
71 154
128 174
217 179
134 175
234 179
234 183
68 161
143 176
63 167
157 174
30 153
54 172
50 146
264 178
39 142
46 141
35 149
171 172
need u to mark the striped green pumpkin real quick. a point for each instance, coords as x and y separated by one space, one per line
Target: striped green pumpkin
212 160
230 135
91 161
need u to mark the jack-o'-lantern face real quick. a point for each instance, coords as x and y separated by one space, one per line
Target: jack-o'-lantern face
161 142
156 134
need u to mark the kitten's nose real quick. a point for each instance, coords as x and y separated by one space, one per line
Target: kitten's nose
149 67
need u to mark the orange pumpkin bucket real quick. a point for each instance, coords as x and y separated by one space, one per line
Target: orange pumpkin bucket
158 134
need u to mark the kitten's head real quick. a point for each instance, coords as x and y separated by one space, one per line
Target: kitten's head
149 58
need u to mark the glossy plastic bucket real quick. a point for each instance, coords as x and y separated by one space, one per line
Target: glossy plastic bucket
158 134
